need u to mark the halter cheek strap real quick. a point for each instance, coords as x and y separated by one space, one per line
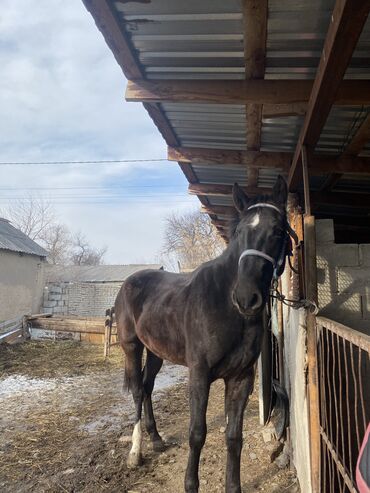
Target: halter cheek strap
257 253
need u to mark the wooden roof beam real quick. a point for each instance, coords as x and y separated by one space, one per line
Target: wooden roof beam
346 199
222 210
214 189
346 24
360 139
117 40
320 164
343 199
275 92
255 32
257 159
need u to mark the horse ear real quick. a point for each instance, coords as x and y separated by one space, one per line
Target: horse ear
280 191
240 199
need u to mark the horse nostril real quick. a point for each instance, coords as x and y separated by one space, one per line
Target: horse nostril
256 301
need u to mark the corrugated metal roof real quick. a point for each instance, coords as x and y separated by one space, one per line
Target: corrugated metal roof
217 126
14 240
296 31
340 127
205 40
280 134
225 174
94 273
193 39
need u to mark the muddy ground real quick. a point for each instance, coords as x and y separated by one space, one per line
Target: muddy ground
65 424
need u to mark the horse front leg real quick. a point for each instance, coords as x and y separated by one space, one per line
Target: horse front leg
237 391
199 384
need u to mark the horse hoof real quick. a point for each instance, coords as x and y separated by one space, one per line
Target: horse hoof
134 460
159 445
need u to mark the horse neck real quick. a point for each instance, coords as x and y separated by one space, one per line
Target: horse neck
225 267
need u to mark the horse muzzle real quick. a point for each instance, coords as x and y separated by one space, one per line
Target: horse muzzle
248 305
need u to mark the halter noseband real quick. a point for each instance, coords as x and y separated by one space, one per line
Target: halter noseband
258 253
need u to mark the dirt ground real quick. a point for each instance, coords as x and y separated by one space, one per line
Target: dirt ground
65 425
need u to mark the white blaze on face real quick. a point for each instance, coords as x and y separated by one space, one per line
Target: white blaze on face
136 440
255 222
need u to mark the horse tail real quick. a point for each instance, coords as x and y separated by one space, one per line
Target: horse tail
126 333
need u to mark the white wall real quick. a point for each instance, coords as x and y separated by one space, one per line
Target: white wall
295 366
21 284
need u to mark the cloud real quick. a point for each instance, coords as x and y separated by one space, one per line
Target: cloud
62 98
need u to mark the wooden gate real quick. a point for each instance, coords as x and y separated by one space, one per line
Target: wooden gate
343 368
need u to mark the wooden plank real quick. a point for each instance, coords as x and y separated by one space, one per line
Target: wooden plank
350 200
215 189
313 391
92 326
281 110
11 336
39 315
252 177
360 139
320 164
255 32
115 37
346 24
224 157
306 182
222 210
254 124
351 92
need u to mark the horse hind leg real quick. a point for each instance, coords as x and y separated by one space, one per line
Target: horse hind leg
152 366
133 381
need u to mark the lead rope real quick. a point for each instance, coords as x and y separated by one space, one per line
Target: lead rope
295 304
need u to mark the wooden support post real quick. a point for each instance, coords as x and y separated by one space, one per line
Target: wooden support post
313 389
311 294
106 333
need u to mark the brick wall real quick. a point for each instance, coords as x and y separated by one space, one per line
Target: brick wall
343 279
80 298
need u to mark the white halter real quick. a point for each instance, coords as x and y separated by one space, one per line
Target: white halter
257 253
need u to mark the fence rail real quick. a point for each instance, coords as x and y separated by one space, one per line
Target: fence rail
343 359
10 330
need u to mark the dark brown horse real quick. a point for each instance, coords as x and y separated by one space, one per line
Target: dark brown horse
211 321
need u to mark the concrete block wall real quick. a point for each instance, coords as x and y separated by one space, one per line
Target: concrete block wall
85 299
343 278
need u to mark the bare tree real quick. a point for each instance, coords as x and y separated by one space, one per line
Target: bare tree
84 254
32 215
56 239
192 239
35 217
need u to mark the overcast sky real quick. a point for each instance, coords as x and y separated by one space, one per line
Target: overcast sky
61 98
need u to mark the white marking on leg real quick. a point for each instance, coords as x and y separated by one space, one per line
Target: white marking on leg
255 222
227 419
134 457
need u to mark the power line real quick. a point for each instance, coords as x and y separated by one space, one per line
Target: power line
101 161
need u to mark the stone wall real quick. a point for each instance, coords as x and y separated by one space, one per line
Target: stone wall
87 299
343 279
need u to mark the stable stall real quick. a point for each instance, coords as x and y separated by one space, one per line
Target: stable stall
245 90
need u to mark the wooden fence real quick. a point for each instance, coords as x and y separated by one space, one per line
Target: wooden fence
97 330
343 364
11 330
90 329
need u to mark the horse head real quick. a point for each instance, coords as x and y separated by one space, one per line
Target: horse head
262 241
